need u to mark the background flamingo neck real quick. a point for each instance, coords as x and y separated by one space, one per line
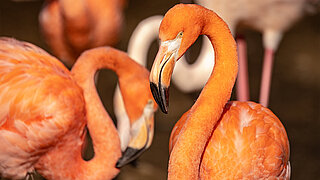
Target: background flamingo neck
185 158
104 135
142 37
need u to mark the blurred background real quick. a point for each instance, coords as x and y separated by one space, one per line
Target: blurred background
295 89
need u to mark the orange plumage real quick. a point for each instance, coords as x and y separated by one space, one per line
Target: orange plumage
44 109
216 139
33 116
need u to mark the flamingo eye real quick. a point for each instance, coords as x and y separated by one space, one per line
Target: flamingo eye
180 34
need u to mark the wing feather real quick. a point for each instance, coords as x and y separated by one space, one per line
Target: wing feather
39 102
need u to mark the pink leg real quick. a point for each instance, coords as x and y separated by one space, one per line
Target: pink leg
266 77
242 81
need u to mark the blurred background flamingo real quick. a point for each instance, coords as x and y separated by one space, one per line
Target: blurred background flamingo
70 27
272 18
296 73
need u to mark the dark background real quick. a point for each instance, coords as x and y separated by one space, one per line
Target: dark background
295 93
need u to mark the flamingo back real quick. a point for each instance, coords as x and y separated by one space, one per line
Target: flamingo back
39 102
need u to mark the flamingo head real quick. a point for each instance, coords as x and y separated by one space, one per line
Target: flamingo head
139 110
141 133
179 29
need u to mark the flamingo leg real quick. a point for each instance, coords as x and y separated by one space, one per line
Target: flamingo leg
243 80
266 77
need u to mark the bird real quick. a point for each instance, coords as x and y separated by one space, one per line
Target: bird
272 18
70 27
46 111
140 41
147 31
215 139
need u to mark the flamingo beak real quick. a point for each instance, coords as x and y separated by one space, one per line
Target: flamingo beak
161 72
141 133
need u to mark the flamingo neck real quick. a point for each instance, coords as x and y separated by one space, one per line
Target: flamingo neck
125 68
185 158
104 135
218 89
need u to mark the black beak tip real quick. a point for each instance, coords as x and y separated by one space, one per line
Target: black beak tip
119 164
164 111
161 97
129 155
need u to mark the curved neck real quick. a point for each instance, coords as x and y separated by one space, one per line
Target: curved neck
104 135
128 71
219 86
186 155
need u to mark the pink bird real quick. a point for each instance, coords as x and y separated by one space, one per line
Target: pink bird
44 109
272 18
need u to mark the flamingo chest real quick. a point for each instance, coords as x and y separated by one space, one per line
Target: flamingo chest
248 143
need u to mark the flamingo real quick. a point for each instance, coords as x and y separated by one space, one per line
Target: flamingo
272 18
45 109
70 27
142 37
215 139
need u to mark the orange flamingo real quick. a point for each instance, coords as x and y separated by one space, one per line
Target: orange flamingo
70 26
215 139
45 108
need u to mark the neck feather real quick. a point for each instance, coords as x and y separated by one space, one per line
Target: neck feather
186 155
